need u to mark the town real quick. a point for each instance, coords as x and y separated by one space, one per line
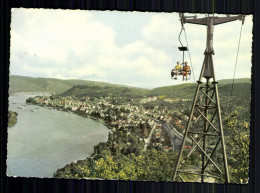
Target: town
136 124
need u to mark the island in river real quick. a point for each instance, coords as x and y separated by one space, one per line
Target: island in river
12 118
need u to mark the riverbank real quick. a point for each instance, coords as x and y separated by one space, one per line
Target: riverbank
77 112
90 117
45 140
12 118
50 107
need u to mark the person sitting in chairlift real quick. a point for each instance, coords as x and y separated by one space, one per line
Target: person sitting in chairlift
176 71
186 70
178 66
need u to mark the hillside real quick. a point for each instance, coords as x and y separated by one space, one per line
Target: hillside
52 85
230 81
95 88
175 91
241 88
104 90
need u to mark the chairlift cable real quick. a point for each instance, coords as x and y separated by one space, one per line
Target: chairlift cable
189 55
180 36
231 93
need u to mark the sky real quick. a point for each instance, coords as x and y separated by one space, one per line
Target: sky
131 48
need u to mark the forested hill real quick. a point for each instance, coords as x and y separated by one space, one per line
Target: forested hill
105 90
241 87
52 85
96 89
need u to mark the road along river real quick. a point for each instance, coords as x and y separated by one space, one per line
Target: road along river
44 140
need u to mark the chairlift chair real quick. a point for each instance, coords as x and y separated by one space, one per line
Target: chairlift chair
176 72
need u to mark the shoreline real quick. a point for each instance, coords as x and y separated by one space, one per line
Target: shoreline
50 107
30 93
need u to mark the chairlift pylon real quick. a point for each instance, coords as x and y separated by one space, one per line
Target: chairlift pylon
210 115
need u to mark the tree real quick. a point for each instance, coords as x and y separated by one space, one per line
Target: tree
238 146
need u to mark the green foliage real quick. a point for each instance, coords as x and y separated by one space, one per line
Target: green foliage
230 81
78 170
160 165
152 165
238 146
176 91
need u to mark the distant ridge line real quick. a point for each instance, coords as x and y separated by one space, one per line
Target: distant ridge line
58 86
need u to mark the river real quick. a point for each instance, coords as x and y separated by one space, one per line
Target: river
45 140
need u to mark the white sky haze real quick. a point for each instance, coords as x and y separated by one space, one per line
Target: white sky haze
131 48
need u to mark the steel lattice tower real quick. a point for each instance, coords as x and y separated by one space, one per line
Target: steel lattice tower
208 125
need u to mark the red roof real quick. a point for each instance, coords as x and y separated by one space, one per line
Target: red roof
181 126
187 147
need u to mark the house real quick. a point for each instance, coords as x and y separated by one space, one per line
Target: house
181 126
187 147
74 108
176 122
166 148
158 135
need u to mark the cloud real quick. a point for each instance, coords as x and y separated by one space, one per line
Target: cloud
84 45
